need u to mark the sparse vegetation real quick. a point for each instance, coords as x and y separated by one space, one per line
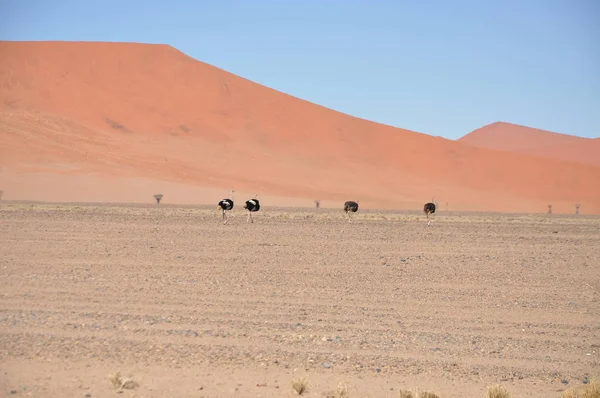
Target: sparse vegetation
497 391
340 392
423 394
427 394
122 383
158 197
300 386
589 390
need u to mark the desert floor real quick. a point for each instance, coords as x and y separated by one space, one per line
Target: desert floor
188 306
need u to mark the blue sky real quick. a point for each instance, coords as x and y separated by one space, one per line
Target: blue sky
438 67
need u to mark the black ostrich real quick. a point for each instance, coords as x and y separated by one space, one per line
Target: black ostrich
428 209
225 205
252 205
350 206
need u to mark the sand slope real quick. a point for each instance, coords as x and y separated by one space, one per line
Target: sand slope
97 121
526 140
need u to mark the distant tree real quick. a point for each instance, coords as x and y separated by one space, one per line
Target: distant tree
549 209
158 197
576 206
317 204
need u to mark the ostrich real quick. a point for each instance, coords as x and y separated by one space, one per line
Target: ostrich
226 204
252 205
428 209
350 206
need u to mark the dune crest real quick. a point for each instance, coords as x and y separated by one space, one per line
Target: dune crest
540 143
98 113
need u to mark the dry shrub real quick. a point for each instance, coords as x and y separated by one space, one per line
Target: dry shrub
123 383
590 390
497 391
340 392
300 385
423 394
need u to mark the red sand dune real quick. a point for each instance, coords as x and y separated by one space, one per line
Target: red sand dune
119 121
526 140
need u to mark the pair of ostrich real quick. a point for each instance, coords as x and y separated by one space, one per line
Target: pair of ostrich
251 205
352 207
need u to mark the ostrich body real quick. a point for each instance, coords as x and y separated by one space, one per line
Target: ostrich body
252 205
350 207
226 205
428 209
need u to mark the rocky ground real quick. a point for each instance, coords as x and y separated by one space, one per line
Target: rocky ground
187 306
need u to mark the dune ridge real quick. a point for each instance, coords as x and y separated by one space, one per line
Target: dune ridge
84 120
531 141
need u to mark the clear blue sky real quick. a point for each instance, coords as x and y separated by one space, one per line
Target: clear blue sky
440 67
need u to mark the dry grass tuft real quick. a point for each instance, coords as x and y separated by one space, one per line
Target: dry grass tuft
300 385
590 390
340 392
497 391
423 394
123 383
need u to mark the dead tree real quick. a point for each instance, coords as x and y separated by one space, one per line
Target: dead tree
576 206
549 209
158 197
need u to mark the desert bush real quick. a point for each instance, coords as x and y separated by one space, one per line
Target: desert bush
423 394
300 386
590 390
122 383
497 391
340 392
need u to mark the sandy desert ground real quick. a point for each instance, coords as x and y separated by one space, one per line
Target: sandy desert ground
189 307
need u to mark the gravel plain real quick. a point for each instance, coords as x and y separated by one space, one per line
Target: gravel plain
190 307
